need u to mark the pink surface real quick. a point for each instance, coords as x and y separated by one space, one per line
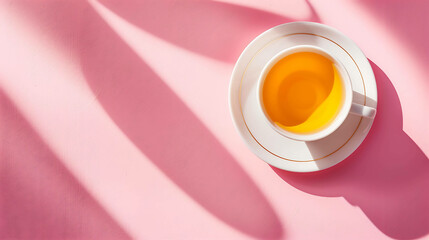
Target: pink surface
114 124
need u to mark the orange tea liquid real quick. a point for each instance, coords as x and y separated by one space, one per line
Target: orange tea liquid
303 92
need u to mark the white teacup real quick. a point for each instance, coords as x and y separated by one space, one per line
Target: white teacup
347 107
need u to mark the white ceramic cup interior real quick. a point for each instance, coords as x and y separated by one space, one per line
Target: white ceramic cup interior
347 105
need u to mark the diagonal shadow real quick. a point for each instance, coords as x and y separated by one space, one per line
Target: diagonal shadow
202 26
141 104
170 135
408 21
61 21
40 198
387 176
215 29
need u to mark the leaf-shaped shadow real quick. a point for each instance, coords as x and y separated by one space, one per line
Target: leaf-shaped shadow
215 29
40 198
156 120
408 22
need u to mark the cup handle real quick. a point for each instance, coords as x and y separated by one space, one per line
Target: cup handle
363 111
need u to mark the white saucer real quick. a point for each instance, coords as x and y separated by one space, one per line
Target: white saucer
267 144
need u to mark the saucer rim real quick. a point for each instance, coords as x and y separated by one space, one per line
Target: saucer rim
238 124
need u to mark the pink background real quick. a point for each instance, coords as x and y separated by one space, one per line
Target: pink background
114 124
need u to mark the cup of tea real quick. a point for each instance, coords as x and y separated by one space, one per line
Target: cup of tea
306 94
